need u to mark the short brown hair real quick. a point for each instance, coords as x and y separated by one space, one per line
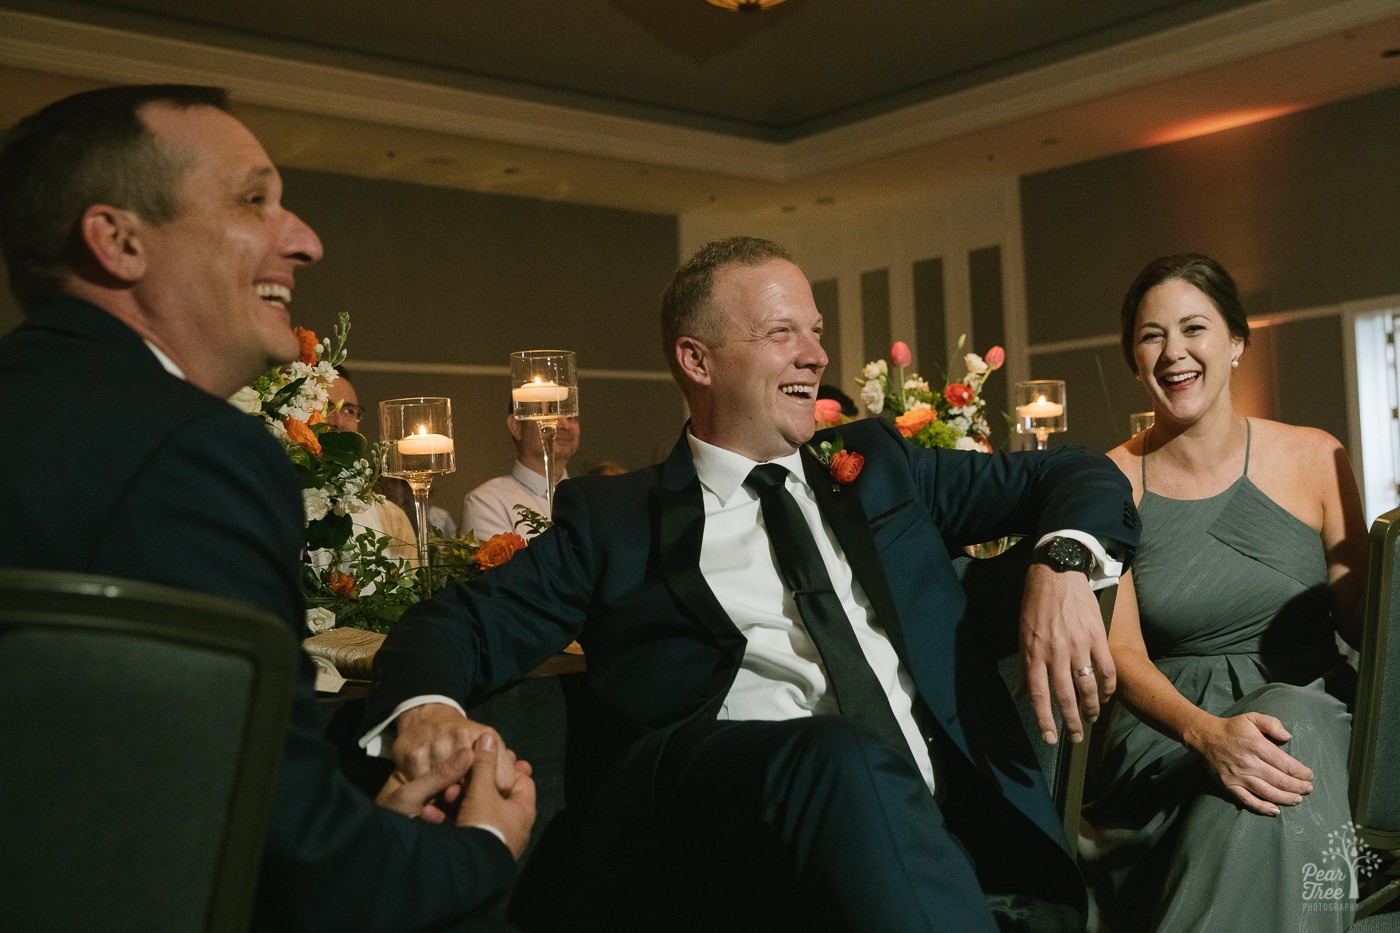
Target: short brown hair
1194 269
686 310
90 148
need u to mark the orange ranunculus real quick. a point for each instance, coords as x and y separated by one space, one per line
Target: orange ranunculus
994 358
299 433
316 418
957 394
846 466
498 550
308 345
912 422
341 585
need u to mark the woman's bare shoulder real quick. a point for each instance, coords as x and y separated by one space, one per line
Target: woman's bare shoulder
1294 440
1128 458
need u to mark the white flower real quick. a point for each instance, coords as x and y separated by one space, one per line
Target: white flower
246 400
967 443
915 405
875 370
975 364
960 423
873 396
320 620
917 384
316 502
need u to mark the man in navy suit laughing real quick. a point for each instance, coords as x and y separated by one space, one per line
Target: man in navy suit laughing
779 651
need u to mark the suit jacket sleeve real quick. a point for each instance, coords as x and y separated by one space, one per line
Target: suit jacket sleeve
217 509
976 497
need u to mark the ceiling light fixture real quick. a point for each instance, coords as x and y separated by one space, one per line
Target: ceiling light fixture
743 6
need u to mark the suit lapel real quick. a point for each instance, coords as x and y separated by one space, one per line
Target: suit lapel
846 515
680 531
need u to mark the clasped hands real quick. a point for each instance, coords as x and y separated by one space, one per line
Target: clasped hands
1065 661
448 767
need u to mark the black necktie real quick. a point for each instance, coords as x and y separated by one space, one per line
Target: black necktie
857 691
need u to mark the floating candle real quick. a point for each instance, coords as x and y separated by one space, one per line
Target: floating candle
423 443
539 391
1040 408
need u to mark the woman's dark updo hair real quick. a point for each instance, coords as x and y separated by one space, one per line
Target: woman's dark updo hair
1194 269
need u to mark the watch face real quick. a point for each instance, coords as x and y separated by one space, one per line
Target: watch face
1067 554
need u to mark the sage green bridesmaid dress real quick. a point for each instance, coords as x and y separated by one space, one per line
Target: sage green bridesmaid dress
1235 612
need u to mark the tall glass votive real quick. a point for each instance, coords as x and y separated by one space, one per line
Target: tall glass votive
418 447
1041 409
544 388
1140 421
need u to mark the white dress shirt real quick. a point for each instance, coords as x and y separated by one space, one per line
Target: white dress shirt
782 676
489 509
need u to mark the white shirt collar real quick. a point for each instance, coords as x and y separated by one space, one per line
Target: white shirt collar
166 362
722 471
533 481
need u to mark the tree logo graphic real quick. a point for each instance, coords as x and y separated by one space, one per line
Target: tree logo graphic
1343 845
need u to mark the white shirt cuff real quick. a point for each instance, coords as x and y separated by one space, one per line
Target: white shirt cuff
492 830
1106 570
379 741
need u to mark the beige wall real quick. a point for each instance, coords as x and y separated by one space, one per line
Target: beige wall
1304 210
442 285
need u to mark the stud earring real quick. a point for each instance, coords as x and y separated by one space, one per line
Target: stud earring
1235 363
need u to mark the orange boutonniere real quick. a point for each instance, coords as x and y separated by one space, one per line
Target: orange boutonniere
846 466
499 549
842 465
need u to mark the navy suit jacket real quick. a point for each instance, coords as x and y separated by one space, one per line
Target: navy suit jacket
114 466
619 571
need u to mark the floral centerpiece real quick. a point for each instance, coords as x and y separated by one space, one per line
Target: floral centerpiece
954 417
336 469
348 578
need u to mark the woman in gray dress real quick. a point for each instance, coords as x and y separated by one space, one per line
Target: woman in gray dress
1220 798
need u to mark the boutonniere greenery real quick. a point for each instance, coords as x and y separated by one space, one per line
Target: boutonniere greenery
842 465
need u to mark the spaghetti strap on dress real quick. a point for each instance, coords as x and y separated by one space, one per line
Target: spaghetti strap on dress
1232 595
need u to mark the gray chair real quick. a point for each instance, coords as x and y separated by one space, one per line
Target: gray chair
994 587
140 732
1373 763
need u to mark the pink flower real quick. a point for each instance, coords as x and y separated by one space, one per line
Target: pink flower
957 394
995 357
900 355
828 411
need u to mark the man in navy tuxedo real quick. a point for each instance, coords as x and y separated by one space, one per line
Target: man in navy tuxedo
146 241
737 796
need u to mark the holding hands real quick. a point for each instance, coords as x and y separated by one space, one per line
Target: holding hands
449 767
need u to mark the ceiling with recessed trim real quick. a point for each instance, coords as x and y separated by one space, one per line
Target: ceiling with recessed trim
675 106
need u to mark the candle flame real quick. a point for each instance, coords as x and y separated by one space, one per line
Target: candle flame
1040 401
423 428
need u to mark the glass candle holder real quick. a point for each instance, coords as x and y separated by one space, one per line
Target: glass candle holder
544 388
418 446
1041 409
1140 421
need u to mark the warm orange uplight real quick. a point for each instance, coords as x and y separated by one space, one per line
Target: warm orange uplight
1204 126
